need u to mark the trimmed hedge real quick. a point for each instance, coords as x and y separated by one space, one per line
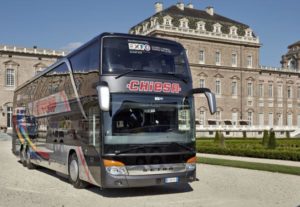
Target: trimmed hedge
258 153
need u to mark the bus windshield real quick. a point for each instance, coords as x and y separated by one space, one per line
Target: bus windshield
148 119
122 54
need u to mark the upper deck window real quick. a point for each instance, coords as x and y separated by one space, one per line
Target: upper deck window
122 54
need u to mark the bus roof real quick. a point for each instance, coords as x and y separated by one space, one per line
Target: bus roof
62 60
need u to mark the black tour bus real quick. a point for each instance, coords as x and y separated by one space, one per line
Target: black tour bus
116 112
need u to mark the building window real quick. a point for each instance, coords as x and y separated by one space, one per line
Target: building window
202 117
248 32
260 90
250 89
202 83
201 26
270 119
217 28
234 88
218 115
270 91
233 30
218 87
289 92
234 118
250 118
298 92
234 60
10 77
280 119
218 58
167 21
201 57
249 61
261 121
279 92
290 120
184 23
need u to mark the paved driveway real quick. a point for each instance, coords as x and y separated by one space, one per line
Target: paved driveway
218 186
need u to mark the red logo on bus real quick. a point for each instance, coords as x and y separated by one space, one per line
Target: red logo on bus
154 86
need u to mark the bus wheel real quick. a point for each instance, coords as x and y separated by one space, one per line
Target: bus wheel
28 161
23 156
74 172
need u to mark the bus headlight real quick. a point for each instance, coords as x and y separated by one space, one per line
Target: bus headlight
115 167
116 170
191 164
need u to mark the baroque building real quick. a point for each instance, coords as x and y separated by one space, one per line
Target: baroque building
291 60
17 65
224 56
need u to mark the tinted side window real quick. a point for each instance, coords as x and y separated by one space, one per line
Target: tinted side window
86 60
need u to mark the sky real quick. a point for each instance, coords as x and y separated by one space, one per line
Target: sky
66 24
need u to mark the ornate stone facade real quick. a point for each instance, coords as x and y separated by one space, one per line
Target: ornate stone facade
291 60
224 56
17 65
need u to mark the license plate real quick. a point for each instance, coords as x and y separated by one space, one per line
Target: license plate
171 180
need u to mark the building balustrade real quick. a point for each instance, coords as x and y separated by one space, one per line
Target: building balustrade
33 50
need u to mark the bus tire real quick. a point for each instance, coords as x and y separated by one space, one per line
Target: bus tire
29 164
74 172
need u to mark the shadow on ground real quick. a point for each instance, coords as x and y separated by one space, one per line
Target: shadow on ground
125 192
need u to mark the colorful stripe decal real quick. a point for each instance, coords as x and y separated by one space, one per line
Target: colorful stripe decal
87 172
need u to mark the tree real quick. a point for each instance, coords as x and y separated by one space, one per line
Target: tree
244 134
222 140
217 137
272 140
265 140
288 134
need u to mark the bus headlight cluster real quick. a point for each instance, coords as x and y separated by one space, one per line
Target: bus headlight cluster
116 170
190 166
114 167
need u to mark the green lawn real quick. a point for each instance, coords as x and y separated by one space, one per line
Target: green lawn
251 165
286 149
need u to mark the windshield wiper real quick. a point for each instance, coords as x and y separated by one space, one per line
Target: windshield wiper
177 76
132 71
129 150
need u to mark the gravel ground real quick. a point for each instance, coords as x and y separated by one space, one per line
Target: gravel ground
218 186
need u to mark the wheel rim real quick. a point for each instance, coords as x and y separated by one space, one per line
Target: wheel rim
74 170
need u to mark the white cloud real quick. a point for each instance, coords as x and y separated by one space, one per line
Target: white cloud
71 46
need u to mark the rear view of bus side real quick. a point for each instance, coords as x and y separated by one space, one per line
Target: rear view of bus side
117 112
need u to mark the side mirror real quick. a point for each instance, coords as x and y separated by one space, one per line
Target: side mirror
103 97
211 98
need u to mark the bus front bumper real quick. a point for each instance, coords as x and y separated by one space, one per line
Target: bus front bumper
130 181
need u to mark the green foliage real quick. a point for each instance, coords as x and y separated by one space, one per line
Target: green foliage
272 140
286 149
222 140
251 165
217 137
265 140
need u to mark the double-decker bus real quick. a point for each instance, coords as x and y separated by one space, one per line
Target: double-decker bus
117 112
